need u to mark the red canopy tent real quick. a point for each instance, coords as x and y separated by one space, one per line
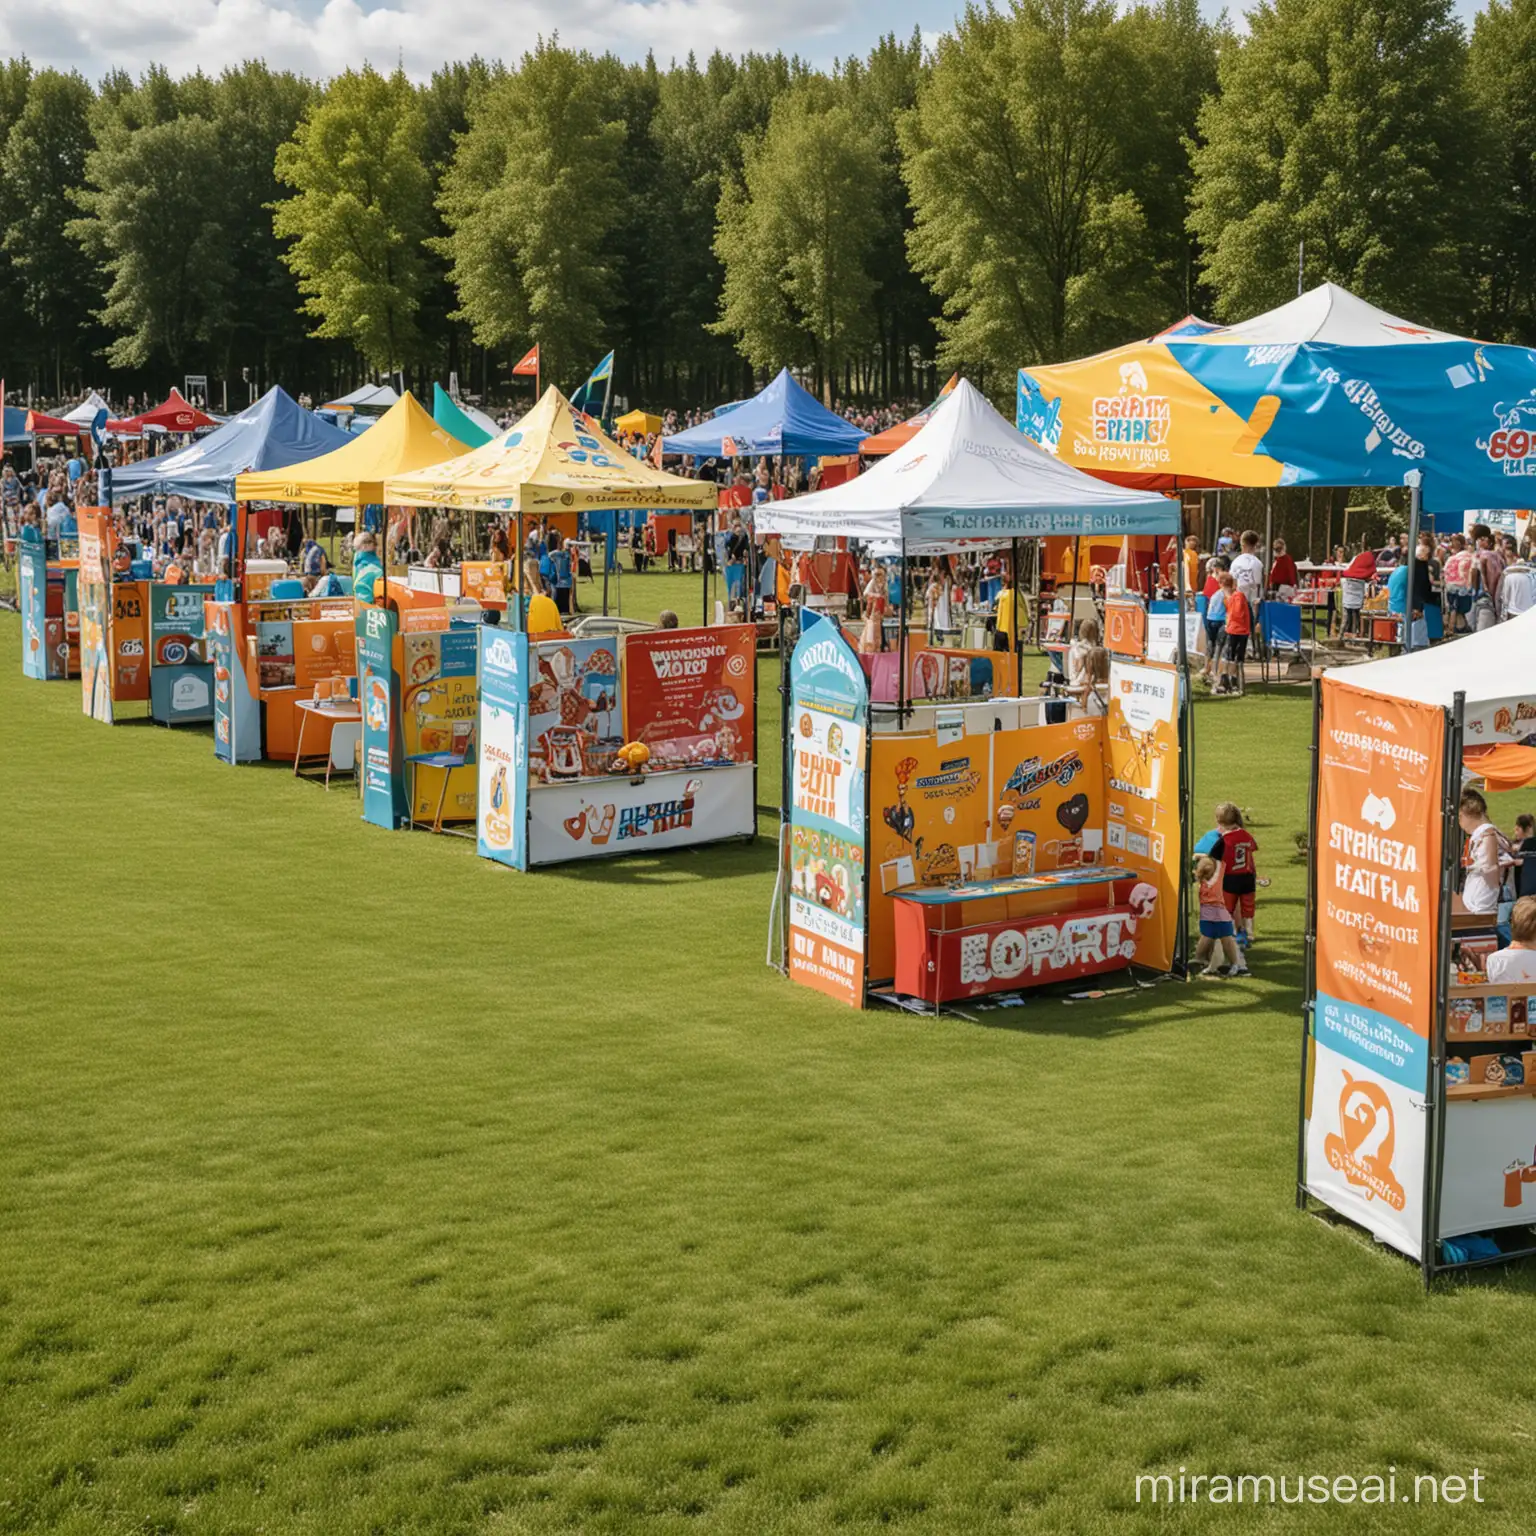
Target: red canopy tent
177 414
41 425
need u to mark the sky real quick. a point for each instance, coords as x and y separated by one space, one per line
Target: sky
322 37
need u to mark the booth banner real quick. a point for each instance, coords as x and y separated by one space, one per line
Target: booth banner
937 673
32 584
599 818
573 710
95 599
1142 800
828 840
180 678
688 694
236 710
441 695
1125 628
1377 835
378 689
323 649
1489 1177
1365 1148
501 821
1163 636
129 638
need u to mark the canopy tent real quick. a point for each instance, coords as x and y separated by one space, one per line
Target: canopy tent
173 414
893 437
784 419
1324 391
1502 769
967 478
404 438
15 430
638 421
470 426
88 409
553 460
1495 668
40 424
367 397
270 435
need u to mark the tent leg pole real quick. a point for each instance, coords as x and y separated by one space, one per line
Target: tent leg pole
1309 973
901 664
520 555
1415 508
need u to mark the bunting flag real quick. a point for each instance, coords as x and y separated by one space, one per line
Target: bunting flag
603 370
592 397
530 362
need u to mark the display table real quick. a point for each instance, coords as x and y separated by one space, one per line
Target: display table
333 712
983 936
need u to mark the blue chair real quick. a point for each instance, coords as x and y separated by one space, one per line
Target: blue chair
1281 623
288 588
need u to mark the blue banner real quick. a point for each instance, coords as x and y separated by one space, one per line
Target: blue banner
501 821
1374 1040
32 580
236 710
180 675
378 688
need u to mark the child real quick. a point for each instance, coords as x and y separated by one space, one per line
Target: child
1215 925
1524 849
1236 851
1234 650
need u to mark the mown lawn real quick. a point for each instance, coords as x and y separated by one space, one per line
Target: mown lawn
349 1183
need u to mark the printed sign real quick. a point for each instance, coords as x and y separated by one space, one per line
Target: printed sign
32 579
573 710
180 675
95 600
1125 628
688 695
236 711
501 821
1378 875
598 818
1163 636
1365 1148
1489 1179
828 880
129 640
441 698
378 689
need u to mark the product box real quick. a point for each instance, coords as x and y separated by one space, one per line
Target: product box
1464 1016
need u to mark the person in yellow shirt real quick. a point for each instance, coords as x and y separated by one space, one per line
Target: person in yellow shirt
543 616
1191 564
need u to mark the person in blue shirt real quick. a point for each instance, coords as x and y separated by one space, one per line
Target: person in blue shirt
367 568
313 558
75 468
559 576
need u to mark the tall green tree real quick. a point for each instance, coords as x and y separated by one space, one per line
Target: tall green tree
1501 86
1342 125
795 235
1016 158
15 324
531 201
41 167
361 210
155 219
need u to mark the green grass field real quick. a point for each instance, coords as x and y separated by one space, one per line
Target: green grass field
350 1183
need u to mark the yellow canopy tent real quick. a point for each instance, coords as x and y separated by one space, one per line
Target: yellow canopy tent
554 460
639 421
404 438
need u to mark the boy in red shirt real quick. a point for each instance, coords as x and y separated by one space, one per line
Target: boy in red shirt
1239 621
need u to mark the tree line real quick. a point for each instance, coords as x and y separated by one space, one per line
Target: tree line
1053 177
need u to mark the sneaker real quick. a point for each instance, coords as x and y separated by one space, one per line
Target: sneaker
1215 971
1239 970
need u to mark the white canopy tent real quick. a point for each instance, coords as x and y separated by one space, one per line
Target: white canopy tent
967 479
367 397
1495 668
85 413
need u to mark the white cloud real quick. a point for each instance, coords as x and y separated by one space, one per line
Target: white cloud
321 39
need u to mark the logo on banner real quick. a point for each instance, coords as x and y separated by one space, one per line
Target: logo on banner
600 824
1513 445
1132 415
1031 776
1516 1177
1362 1151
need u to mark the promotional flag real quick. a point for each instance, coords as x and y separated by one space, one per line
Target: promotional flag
530 362
590 398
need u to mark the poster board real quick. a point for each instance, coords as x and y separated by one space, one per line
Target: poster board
574 724
440 702
501 795
827 855
32 594
1142 829
384 803
95 604
688 695
128 641
180 672
1377 853
236 709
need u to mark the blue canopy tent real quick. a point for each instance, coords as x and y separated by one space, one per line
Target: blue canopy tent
15 430
784 419
272 434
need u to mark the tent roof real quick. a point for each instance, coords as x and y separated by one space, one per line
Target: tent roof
893 437
966 478
785 418
1327 315
85 412
638 421
366 397
272 434
404 438
454 418
1495 668
15 430
173 414
40 424
551 461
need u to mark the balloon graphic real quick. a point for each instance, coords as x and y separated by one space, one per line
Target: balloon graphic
1073 813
